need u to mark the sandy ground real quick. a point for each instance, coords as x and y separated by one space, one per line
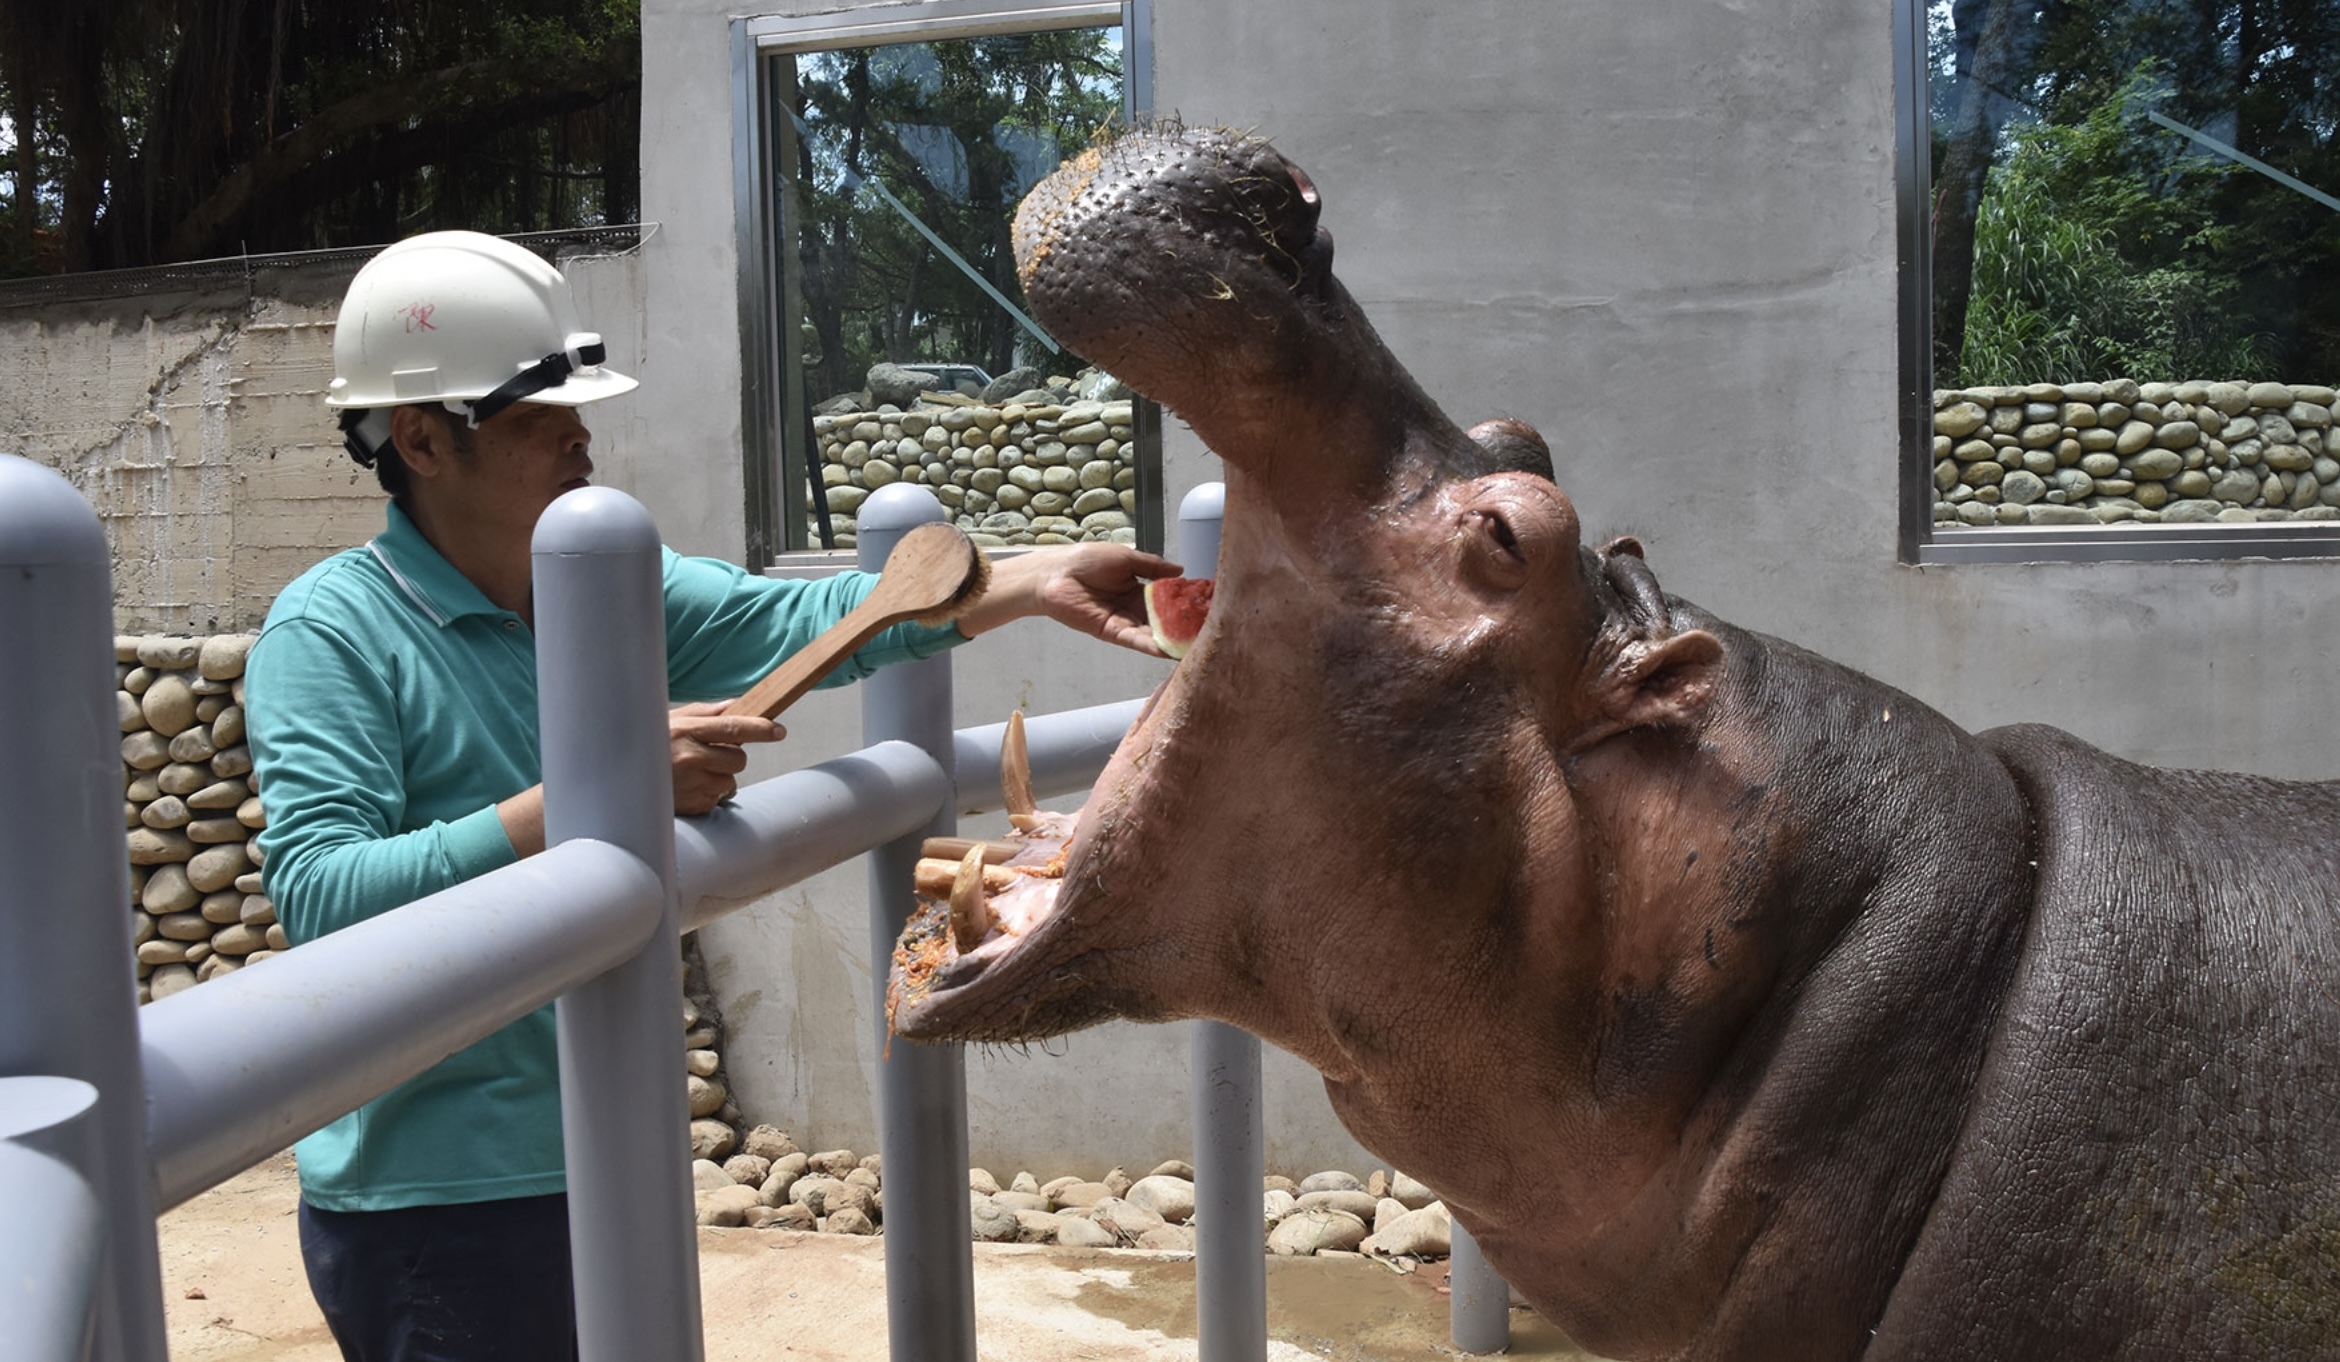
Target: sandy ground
234 1292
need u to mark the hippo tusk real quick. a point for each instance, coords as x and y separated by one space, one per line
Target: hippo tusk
936 878
970 916
952 848
1015 769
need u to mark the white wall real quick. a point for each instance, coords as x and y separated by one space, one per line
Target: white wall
1661 232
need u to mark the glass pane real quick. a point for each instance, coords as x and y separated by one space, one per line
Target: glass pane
909 351
2136 315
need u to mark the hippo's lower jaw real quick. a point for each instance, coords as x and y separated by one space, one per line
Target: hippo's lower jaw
986 956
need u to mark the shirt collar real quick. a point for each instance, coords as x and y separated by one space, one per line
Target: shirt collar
421 574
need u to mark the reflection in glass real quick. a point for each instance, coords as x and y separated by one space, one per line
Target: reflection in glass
2135 311
909 353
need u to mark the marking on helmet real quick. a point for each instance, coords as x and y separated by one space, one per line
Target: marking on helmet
418 316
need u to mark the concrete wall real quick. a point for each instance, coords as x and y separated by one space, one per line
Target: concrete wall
195 424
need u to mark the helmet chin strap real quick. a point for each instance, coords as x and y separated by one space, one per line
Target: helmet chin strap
552 371
365 431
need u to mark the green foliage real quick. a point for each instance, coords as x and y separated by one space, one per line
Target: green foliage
2098 253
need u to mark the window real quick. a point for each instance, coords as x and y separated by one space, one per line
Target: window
887 335
2121 313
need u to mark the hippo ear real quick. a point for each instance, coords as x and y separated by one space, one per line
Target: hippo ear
1649 682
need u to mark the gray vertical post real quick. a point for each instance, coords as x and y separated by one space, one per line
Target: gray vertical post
50 1252
1230 1127
601 696
922 1089
70 1008
1480 1318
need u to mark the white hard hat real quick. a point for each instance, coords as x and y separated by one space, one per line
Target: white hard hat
468 320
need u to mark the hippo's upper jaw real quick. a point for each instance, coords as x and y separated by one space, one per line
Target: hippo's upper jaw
1189 262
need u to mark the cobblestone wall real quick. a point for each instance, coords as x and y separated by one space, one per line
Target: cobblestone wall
1018 473
2100 453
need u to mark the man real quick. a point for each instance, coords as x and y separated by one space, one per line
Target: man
392 702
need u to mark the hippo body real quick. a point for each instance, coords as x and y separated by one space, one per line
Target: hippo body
1740 1005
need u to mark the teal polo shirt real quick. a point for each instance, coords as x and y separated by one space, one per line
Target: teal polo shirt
390 706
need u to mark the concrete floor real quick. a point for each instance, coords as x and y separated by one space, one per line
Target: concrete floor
234 1292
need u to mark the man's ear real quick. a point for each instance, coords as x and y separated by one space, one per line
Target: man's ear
1651 683
423 441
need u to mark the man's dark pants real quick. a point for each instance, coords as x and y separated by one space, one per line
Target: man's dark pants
486 1281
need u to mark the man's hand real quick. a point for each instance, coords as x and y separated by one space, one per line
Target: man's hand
708 752
1098 589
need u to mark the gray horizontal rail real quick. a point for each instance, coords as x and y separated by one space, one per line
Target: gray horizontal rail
1068 751
777 832
251 1061
56 1225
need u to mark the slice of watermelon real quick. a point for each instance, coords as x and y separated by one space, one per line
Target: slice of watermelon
1176 608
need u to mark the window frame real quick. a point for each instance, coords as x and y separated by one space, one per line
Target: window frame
770 380
1920 543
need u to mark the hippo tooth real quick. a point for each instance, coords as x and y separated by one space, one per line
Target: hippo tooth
952 848
970 917
936 878
1015 768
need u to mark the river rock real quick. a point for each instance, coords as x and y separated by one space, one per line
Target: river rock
1426 1233
169 979
1356 1201
1309 1232
817 1192
1078 1195
711 1139
169 705
724 1206
217 867
2276 395
848 1220
221 658
1960 419
1125 1219
167 891
991 1222
168 654
1171 1198
1073 1231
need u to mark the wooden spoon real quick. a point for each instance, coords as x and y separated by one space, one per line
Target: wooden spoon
932 576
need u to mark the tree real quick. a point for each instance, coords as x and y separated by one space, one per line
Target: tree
147 131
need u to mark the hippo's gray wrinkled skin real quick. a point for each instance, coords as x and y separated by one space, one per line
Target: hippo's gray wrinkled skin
1742 1007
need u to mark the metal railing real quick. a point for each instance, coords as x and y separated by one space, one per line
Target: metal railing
126 1112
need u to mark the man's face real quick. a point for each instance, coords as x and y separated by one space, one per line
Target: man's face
514 465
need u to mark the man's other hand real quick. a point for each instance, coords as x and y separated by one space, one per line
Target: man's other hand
709 752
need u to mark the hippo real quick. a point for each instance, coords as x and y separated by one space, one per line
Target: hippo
1741 1006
